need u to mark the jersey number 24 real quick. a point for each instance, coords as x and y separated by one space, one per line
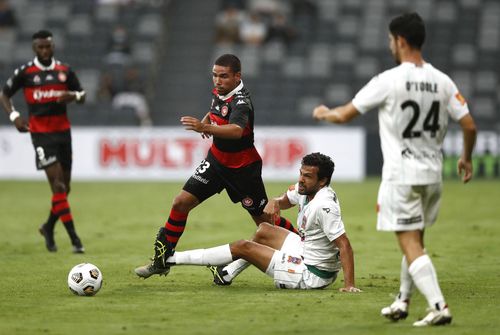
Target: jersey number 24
431 121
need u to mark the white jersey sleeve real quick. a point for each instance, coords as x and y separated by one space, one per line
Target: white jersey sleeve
372 95
331 221
457 107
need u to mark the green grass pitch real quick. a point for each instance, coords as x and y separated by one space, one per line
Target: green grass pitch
118 221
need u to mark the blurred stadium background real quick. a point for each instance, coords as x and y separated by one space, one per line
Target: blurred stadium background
147 62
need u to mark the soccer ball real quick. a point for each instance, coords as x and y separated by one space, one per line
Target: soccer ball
85 279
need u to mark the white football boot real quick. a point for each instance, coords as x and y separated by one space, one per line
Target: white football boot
435 318
398 310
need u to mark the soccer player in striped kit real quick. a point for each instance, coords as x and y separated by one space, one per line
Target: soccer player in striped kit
232 163
48 86
414 101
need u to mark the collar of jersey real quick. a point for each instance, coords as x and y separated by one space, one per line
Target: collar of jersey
413 64
321 190
230 94
43 67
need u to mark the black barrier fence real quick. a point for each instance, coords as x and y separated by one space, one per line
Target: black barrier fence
485 160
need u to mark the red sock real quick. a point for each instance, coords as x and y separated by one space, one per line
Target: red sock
60 207
175 226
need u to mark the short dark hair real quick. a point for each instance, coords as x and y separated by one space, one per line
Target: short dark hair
229 60
324 163
42 34
411 27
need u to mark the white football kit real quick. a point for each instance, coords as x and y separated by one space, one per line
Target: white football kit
414 103
310 260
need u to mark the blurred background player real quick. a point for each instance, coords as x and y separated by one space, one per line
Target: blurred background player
308 260
48 86
232 163
414 101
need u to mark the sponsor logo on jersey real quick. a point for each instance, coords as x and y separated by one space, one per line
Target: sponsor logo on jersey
224 110
407 153
294 260
62 76
241 102
460 98
36 79
327 210
39 94
247 202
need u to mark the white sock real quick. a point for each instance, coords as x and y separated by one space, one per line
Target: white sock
213 256
425 278
406 288
235 268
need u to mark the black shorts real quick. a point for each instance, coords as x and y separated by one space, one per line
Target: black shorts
51 148
243 185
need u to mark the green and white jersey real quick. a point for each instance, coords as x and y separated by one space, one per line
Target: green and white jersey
319 223
413 106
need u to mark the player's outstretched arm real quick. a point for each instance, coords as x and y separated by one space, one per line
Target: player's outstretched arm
70 96
342 114
347 260
206 119
464 165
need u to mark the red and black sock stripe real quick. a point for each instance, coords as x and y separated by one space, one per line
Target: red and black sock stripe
175 226
60 207
284 223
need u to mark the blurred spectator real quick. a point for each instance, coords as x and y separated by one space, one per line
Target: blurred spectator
227 25
118 46
281 31
124 87
239 4
253 31
267 8
7 17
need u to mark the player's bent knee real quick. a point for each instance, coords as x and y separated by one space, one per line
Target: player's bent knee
263 231
184 203
240 248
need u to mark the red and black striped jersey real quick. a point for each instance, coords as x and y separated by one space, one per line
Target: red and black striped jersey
234 108
42 86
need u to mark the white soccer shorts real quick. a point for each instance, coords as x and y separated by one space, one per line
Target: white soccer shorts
407 207
288 269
